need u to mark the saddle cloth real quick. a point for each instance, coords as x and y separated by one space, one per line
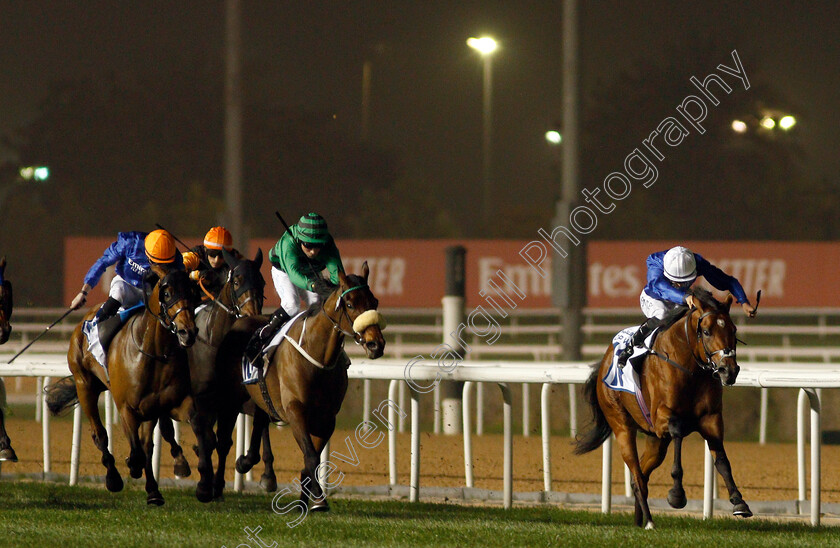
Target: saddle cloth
627 379
90 329
250 374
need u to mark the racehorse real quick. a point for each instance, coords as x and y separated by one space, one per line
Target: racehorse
6 451
682 382
241 296
147 374
306 380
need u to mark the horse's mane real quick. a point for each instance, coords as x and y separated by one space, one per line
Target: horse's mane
706 297
324 290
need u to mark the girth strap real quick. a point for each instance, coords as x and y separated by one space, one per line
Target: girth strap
272 412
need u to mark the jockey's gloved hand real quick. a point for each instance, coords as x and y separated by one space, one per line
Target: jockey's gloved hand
321 285
195 275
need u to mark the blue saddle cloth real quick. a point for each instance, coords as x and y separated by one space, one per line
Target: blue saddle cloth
90 328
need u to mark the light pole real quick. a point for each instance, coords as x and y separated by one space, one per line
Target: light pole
486 46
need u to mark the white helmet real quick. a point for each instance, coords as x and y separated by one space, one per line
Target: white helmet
680 265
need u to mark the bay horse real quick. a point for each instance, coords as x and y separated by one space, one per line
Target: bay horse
682 382
6 305
147 375
241 296
298 392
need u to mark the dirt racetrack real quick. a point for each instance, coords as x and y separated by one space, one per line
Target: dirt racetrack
761 472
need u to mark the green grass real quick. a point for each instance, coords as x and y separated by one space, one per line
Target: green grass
49 514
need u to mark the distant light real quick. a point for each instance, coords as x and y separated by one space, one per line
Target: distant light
768 122
42 173
739 126
34 173
787 122
484 45
553 137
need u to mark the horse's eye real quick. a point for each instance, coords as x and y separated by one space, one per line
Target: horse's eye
706 332
350 306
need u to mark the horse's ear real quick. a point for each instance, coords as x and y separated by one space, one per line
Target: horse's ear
342 279
229 258
3 262
727 304
159 270
365 271
258 258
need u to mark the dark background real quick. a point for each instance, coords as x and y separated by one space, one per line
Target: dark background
124 102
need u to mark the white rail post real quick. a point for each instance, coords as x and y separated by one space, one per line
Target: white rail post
708 483
45 427
392 433
545 414
628 487
414 485
468 462
479 409
816 444
76 445
401 403
39 386
437 416
156 446
800 447
526 406
572 411
606 476
238 479
322 472
109 420
366 400
176 431
507 395
762 425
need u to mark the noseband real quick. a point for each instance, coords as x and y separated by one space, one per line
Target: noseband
166 320
356 336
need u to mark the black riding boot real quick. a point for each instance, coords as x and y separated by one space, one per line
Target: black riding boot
261 336
108 309
638 339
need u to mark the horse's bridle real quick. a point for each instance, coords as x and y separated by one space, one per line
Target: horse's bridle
357 337
709 364
166 320
236 306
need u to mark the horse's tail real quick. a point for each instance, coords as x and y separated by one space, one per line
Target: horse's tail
61 395
600 430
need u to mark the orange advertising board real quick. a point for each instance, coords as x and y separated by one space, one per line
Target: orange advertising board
410 273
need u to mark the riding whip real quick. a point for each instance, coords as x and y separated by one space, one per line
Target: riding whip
177 239
41 335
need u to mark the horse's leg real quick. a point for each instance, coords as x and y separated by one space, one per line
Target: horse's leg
247 461
205 443
88 389
711 428
626 439
296 415
167 432
268 481
136 459
676 495
224 441
319 441
6 451
147 428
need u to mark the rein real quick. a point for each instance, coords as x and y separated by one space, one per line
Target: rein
155 357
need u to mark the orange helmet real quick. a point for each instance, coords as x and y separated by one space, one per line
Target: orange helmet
160 247
218 237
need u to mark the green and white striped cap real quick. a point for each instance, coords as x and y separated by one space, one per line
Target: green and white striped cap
312 229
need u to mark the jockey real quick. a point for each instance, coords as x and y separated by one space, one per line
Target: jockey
131 252
197 259
669 275
297 259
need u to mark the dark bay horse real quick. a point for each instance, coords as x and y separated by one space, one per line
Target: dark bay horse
682 383
147 374
305 395
6 304
241 296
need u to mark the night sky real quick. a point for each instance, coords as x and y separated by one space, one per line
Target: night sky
426 85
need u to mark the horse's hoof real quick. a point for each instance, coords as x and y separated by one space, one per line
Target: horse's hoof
154 499
676 498
134 472
741 509
113 481
242 465
8 454
319 506
649 525
203 494
182 469
269 483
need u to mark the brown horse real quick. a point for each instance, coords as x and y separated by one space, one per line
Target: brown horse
682 383
6 451
147 375
299 392
241 296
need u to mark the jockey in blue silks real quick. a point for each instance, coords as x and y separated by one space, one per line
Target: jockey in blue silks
669 275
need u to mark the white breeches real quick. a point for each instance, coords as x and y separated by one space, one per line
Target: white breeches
654 308
124 292
292 298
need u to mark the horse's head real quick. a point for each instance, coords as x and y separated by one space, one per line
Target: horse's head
246 284
171 302
360 306
5 304
715 342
